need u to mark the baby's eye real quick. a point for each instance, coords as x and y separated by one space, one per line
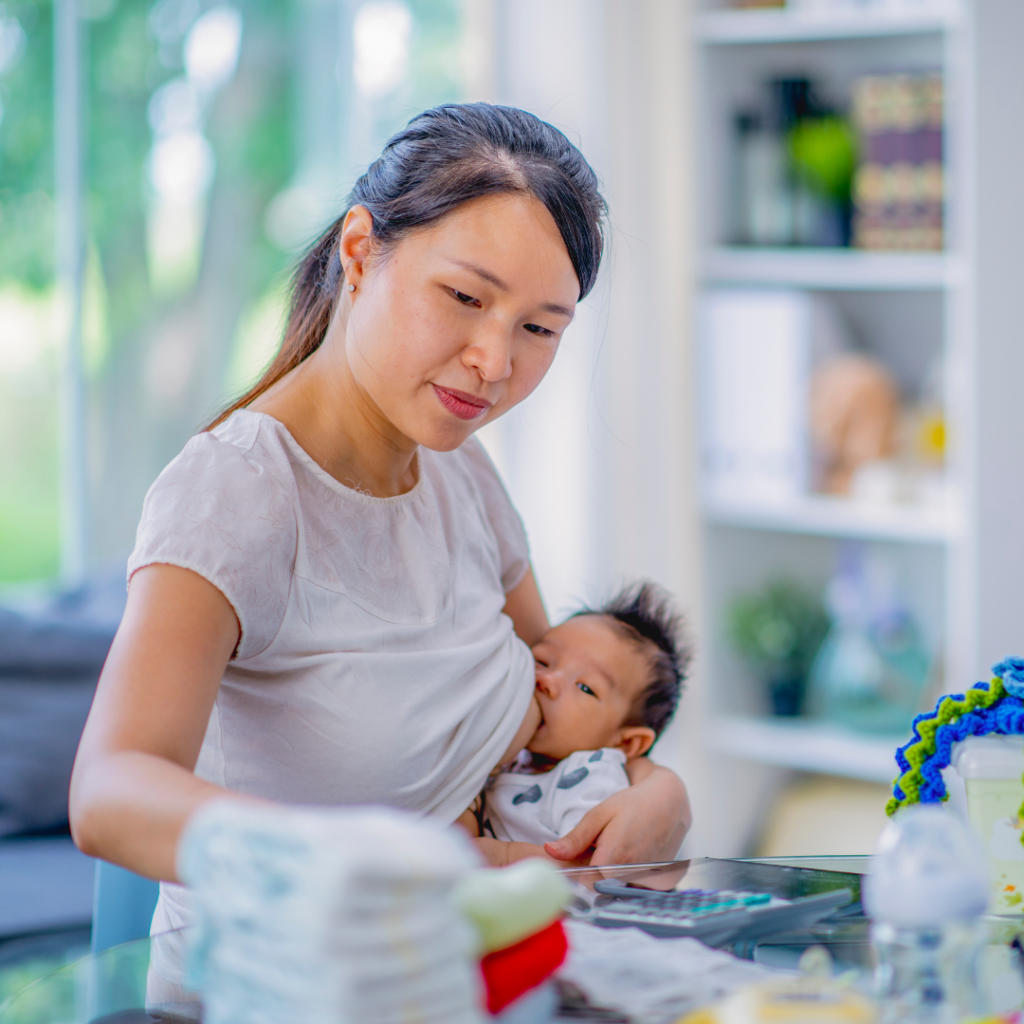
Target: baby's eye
537 329
466 300
586 689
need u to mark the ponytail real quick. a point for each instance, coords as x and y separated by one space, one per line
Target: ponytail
313 293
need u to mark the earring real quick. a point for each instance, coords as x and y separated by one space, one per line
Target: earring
351 287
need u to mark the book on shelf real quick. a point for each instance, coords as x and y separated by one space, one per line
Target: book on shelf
757 350
899 183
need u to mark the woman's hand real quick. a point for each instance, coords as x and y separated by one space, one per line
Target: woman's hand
645 823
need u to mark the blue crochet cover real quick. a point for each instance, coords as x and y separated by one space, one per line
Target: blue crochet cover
1004 715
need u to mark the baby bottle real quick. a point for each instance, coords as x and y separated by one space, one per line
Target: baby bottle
926 892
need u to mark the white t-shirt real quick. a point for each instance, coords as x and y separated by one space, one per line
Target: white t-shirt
537 807
375 665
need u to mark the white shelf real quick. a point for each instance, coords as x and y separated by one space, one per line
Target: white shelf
954 556
819 515
834 269
806 745
795 26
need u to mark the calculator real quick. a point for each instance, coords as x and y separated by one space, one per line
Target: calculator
715 916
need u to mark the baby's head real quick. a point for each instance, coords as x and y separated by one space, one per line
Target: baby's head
610 676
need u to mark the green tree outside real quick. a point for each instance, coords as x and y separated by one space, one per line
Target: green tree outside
186 161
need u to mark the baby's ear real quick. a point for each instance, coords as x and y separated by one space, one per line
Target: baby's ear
635 740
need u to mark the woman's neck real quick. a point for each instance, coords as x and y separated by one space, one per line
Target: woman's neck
340 429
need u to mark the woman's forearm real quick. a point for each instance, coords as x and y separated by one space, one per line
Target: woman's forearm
131 808
500 853
640 768
669 791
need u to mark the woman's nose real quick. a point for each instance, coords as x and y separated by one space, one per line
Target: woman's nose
490 354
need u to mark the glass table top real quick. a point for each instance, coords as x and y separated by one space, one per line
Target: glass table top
110 987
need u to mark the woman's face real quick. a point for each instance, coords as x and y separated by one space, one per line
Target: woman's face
460 320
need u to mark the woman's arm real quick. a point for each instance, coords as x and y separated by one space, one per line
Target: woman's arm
524 606
644 823
499 853
132 788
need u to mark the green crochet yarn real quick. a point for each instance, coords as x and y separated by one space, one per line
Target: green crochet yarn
922 744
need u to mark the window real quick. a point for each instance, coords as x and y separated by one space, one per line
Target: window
216 140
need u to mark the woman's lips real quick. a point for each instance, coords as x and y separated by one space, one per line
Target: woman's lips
458 403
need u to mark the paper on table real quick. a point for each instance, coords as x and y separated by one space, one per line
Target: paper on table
649 980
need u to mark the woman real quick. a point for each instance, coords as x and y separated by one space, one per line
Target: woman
314 612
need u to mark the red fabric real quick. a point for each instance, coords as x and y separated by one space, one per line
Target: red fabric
511 971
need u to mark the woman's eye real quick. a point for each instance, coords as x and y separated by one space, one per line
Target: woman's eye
586 689
537 329
466 300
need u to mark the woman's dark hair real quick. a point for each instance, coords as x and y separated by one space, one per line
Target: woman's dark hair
646 614
443 158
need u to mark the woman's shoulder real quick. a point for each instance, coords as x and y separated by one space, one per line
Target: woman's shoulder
472 466
223 509
472 455
244 447
237 468
476 488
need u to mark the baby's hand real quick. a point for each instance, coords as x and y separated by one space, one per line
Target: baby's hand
500 854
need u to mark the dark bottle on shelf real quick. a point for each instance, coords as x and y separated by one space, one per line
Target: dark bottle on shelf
761 200
792 102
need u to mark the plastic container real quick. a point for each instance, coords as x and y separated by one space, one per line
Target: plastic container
991 769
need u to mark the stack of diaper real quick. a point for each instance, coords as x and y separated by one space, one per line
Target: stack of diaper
332 916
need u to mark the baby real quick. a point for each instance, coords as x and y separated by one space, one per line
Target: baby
607 683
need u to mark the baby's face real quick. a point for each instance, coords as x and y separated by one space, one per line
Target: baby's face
588 675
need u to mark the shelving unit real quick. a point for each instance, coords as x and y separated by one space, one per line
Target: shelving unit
957 561
825 516
832 269
805 746
784 25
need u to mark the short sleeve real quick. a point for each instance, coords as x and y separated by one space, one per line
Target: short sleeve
222 513
513 545
579 783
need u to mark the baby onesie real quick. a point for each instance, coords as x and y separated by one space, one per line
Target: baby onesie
538 807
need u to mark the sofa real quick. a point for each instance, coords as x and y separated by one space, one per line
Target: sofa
51 653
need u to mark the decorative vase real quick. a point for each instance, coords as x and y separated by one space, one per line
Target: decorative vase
786 692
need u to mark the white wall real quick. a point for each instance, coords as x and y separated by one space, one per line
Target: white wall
550 449
600 459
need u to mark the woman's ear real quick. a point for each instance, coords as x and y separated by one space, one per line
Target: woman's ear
635 740
355 243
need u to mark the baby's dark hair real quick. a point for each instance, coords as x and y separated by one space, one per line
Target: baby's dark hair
648 616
